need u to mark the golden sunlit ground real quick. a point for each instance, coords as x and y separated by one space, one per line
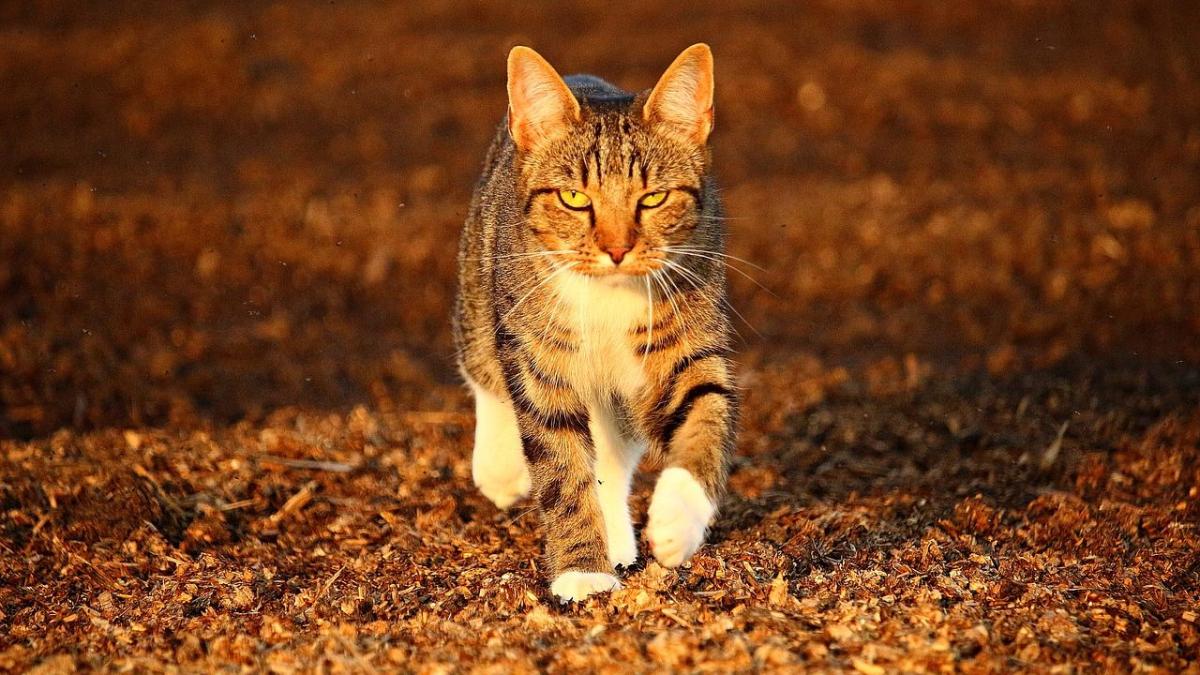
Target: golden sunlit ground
231 433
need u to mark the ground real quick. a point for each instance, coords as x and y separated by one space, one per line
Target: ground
232 431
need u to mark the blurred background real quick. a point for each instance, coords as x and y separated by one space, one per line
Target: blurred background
208 209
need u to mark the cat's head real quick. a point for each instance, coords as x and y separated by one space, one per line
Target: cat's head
610 180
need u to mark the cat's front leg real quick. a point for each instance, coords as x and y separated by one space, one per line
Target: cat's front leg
695 426
497 462
559 451
616 460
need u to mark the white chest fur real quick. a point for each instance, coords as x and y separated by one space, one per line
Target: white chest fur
604 311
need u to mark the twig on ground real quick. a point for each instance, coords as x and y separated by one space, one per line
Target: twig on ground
294 503
326 585
311 464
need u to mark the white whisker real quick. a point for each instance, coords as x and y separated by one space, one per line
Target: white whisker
713 258
556 309
691 277
698 282
649 326
530 254
662 282
545 280
722 254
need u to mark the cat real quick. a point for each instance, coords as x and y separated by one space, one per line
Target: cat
590 321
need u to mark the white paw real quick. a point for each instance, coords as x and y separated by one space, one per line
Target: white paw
680 511
503 487
622 547
497 465
572 586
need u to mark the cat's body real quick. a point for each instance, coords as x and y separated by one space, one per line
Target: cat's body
579 365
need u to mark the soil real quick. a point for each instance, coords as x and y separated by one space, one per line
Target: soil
232 435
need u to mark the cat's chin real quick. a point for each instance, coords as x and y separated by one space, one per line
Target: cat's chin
616 275
615 280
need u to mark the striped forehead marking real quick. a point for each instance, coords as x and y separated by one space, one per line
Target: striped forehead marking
611 150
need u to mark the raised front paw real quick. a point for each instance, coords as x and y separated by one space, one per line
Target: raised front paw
680 511
572 586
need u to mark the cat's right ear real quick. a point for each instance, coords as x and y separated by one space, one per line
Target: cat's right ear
539 103
683 98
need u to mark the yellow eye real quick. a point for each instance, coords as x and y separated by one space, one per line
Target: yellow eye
653 199
574 199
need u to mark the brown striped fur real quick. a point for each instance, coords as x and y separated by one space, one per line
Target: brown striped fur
537 287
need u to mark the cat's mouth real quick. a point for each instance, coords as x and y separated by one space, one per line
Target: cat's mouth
605 267
638 262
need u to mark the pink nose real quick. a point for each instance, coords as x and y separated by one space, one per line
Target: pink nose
617 253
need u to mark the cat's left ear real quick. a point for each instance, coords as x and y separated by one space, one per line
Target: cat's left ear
683 97
539 103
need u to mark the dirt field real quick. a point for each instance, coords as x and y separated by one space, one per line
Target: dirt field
231 433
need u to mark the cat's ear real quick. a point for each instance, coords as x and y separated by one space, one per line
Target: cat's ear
683 97
539 103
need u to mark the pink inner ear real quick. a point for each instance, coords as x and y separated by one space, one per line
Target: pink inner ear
683 96
540 104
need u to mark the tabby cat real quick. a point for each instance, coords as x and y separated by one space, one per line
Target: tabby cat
590 321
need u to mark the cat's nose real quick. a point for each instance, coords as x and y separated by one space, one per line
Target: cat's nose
617 253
